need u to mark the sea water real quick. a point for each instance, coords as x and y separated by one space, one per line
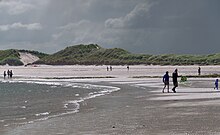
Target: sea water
24 102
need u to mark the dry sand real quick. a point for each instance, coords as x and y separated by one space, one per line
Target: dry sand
120 72
27 58
139 108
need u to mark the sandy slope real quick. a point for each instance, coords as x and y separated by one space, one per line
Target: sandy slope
27 58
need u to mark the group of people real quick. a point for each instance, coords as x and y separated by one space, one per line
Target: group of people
9 73
175 82
166 81
109 68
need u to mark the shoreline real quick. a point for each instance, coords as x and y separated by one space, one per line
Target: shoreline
138 108
134 110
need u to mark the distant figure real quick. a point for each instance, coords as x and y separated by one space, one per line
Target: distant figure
5 74
11 74
8 73
107 68
166 81
199 71
175 82
110 68
128 68
216 84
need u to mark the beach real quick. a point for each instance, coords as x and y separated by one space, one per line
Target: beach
119 102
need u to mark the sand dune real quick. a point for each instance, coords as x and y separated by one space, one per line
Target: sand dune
27 58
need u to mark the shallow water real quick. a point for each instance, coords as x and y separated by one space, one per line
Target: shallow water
23 102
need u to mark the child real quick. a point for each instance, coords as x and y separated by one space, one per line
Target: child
216 84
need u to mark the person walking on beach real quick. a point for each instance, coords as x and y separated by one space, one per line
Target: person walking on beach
166 81
199 71
175 82
107 68
11 74
128 68
4 74
110 68
8 73
216 84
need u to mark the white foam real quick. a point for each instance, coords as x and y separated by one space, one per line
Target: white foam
107 90
34 82
55 84
23 107
42 114
2 120
17 119
72 106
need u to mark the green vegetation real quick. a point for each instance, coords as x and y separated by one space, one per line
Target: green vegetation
173 59
87 55
183 79
12 56
95 55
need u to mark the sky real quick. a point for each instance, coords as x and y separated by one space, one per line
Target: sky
139 26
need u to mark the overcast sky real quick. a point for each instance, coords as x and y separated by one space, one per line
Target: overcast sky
139 26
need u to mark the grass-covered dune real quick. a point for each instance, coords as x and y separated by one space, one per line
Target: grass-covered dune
12 56
93 54
173 59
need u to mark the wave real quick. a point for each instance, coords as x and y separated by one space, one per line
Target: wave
70 106
42 114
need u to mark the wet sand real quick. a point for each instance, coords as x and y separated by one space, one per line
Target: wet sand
139 108
136 109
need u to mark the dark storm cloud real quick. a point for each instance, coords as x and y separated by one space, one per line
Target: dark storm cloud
172 26
140 26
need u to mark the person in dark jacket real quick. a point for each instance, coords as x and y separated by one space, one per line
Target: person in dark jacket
216 84
11 74
4 74
110 68
8 73
166 81
175 82
199 71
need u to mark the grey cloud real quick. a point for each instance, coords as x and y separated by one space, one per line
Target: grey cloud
83 31
136 18
33 26
172 26
140 26
71 26
50 46
15 7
